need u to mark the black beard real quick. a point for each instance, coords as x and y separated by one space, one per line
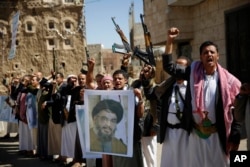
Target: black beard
103 137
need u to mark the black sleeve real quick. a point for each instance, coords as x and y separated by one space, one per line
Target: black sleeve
235 134
173 69
150 93
124 68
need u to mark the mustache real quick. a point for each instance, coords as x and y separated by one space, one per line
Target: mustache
103 137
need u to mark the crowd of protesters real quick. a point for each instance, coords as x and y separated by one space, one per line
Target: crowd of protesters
196 125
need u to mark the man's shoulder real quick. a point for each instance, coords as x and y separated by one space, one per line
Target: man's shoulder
117 141
119 146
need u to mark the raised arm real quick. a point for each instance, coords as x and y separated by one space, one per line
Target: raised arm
169 65
172 34
90 74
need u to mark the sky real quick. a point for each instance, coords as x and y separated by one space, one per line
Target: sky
99 26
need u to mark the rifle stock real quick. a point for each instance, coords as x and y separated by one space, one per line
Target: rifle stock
117 46
148 43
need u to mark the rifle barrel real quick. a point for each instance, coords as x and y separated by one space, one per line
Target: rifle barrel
87 53
122 36
116 25
148 43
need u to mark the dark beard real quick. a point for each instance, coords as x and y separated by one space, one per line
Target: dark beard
103 137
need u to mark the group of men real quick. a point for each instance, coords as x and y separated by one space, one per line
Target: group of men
198 126
193 114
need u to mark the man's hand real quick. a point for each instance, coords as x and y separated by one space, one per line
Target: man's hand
232 147
138 94
125 59
173 33
43 105
147 72
147 75
245 89
91 64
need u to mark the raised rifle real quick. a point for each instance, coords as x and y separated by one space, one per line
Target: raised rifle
87 53
83 63
123 38
53 71
148 43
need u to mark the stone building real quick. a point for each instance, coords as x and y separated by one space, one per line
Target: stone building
225 22
106 62
51 34
48 30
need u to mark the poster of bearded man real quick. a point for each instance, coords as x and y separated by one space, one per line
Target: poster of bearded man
109 122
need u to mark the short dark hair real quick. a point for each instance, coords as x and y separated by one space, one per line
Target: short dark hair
208 43
185 58
124 73
112 105
60 74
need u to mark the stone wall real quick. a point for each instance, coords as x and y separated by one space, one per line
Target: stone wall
47 31
197 23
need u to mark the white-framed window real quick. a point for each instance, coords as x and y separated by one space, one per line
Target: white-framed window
51 43
68 44
29 26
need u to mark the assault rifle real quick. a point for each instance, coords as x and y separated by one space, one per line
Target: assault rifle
143 56
83 71
53 71
148 43
123 38
87 53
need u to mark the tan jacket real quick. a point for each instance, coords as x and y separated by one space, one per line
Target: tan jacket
117 145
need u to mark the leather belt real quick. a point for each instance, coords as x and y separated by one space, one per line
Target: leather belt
176 126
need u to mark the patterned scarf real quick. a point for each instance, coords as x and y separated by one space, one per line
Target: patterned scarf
230 87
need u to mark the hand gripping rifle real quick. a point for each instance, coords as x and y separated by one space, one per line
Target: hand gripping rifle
123 38
148 43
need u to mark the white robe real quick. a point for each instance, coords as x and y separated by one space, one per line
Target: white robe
176 143
68 139
206 152
25 139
